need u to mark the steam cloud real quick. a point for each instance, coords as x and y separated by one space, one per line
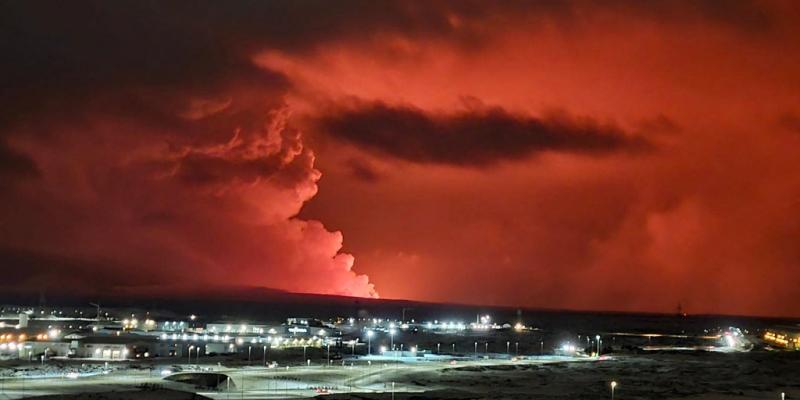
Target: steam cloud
201 191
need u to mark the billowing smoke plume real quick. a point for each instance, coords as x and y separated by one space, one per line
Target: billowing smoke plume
204 195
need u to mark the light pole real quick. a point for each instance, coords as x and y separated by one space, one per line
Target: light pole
613 386
438 348
541 347
329 353
391 339
476 349
369 342
516 348
508 348
265 355
392 390
353 343
249 352
304 352
783 396
486 348
454 348
190 355
598 344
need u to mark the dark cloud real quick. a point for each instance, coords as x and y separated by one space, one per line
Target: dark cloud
474 137
14 164
362 170
743 15
73 52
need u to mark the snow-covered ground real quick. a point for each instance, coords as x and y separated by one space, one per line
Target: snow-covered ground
651 375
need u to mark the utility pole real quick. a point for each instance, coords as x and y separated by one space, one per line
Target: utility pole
403 320
98 309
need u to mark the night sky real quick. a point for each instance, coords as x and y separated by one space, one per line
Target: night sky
602 155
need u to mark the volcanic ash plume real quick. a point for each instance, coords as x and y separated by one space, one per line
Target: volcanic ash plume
123 203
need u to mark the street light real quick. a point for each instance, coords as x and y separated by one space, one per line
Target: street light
265 355
190 354
516 348
391 339
508 348
598 344
476 349
613 386
438 348
369 342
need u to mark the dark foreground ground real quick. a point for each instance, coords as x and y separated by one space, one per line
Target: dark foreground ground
687 375
140 394
657 376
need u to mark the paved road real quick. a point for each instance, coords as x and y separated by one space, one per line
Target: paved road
256 382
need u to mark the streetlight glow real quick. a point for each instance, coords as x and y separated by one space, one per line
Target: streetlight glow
613 386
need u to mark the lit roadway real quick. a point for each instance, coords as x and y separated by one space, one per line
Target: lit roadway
260 382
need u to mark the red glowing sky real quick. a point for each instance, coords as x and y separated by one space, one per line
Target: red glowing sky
620 155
